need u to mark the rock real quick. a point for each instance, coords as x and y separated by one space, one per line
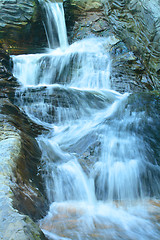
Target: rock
57 102
148 127
22 228
21 26
7 82
137 24
27 188
88 5
85 18
129 73
21 188
12 224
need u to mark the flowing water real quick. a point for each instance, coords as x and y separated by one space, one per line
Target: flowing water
99 181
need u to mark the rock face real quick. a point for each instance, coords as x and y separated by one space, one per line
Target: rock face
85 19
20 25
134 49
21 187
136 22
12 224
148 128
88 19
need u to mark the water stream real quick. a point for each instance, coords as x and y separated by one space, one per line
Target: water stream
98 179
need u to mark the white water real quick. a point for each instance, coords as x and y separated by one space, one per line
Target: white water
54 24
98 179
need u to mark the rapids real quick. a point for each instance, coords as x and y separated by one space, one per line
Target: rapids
98 179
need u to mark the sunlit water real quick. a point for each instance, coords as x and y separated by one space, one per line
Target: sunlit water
98 179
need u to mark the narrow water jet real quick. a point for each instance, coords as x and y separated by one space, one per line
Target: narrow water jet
54 24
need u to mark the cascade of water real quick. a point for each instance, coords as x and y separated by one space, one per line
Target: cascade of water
84 64
95 166
54 24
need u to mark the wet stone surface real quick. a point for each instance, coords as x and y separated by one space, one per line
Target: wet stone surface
137 24
129 71
21 26
21 186
19 154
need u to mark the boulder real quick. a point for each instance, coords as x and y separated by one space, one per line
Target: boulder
17 191
12 224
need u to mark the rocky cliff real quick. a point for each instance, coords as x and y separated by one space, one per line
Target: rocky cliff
135 50
134 25
137 23
22 198
21 26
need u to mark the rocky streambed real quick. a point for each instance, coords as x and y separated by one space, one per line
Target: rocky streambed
134 29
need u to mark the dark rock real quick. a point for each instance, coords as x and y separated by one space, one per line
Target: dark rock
71 103
21 27
8 83
21 186
88 19
148 127
28 179
85 19
137 24
128 73
14 181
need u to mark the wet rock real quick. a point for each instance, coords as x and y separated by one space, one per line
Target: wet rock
21 188
85 19
12 224
21 26
7 82
137 24
59 104
148 128
129 72
28 197
22 228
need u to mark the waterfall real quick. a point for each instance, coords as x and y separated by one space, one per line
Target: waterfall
98 178
54 24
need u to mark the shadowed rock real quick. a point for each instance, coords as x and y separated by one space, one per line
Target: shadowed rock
87 19
137 24
21 27
21 186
